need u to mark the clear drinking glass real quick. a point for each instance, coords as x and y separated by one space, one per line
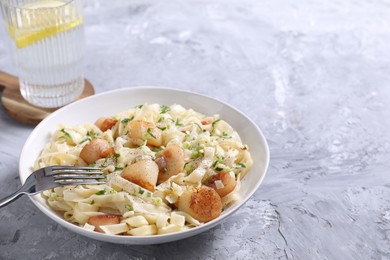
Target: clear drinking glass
48 46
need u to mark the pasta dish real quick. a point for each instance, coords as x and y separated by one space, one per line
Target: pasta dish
168 169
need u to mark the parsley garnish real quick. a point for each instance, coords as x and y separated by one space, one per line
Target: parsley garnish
158 149
215 164
66 134
195 154
141 191
164 109
240 165
85 140
126 120
178 123
128 207
200 128
101 192
149 132
216 121
92 134
189 168
139 106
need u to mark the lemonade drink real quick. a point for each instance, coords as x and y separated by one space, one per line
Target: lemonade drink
48 43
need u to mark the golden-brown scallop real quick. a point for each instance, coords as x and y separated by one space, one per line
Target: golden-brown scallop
96 149
170 162
143 173
102 220
223 183
105 123
139 131
203 203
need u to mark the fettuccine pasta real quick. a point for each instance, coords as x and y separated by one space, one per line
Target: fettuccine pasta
168 169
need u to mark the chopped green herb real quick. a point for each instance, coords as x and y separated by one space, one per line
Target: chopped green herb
200 128
139 106
85 140
162 128
148 194
116 156
158 201
195 154
240 165
92 134
118 168
164 109
177 123
216 121
158 149
218 161
165 170
160 120
150 133
218 169
128 207
188 168
66 134
126 120
105 160
101 192
141 191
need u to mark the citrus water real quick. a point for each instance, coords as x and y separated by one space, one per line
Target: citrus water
48 47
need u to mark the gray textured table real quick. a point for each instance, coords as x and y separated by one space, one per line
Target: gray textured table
314 75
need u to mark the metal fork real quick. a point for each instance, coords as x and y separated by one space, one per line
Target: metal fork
54 176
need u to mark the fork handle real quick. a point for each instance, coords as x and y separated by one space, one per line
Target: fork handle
10 198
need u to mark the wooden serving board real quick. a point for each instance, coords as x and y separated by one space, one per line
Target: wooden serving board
19 109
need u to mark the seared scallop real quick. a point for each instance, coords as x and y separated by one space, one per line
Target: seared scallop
203 203
223 183
102 220
105 123
96 149
170 162
143 173
139 131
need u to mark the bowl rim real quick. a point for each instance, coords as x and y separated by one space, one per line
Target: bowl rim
155 239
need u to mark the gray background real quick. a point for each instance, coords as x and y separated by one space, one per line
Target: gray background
314 75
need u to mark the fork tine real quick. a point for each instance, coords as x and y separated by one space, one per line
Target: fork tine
81 172
73 182
79 177
76 175
69 167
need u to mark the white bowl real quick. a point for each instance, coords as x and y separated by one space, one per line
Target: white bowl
113 102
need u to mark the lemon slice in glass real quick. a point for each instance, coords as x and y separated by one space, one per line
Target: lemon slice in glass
38 20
